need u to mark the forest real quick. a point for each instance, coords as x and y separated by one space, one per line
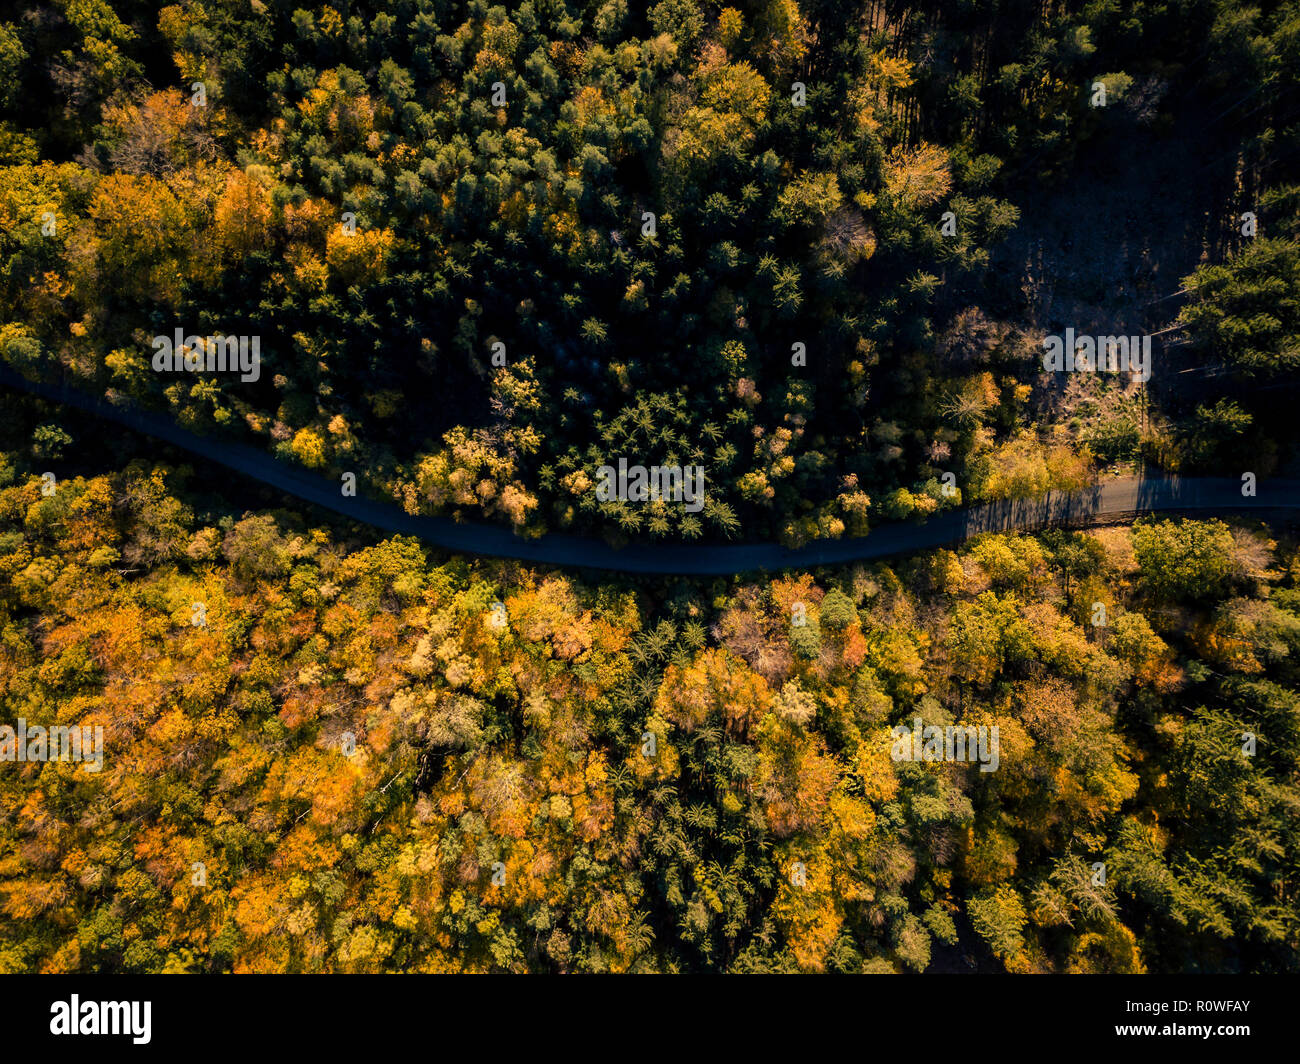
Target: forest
480 252
813 247
357 757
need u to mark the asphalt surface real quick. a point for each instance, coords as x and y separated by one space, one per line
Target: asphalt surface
1107 501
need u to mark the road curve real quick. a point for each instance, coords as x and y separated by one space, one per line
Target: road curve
1108 500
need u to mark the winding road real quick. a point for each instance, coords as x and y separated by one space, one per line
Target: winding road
1108 501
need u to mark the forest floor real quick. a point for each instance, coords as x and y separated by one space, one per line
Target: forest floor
1104 248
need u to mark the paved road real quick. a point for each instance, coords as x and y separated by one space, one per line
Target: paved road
1109 500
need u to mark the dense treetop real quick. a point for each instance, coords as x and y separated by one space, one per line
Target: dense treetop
485 250
366 759
500 167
